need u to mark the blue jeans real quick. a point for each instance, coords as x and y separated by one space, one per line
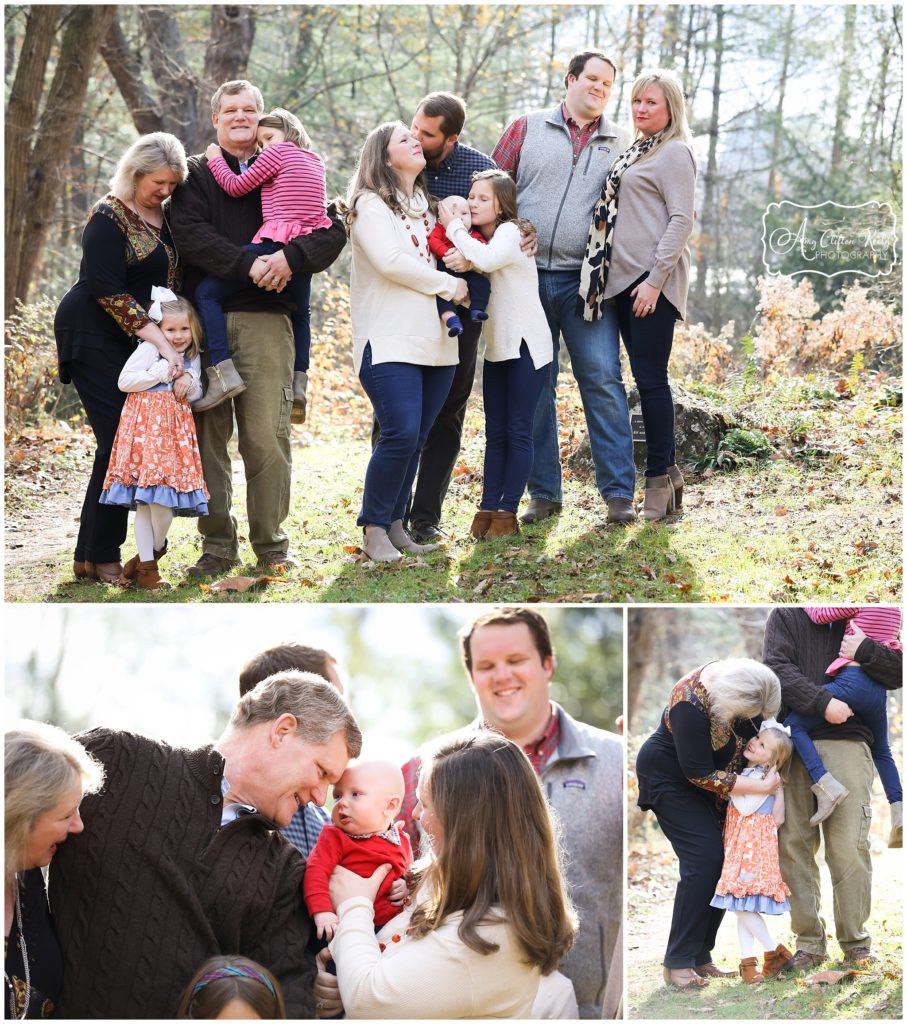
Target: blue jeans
406 399
870 700
594 349
213 292
510 393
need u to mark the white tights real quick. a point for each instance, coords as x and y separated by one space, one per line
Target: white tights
751 926
151 525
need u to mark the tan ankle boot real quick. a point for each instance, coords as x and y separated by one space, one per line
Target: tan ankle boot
148 578
223 382
659 500
896 836
300 383
677 483
503 524
481 521
130 569
829 793
749 971
774 960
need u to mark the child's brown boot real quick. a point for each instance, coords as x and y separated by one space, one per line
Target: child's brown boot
503 524
774 960
148 578
749 971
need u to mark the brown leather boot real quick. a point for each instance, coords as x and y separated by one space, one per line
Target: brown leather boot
107 572
503 524
749 971
148 578
131 568
481 521
773 962
83 570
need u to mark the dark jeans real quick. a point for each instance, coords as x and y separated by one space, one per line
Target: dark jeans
479 294
648 341
692 825
510 393
439 456
213 292
870 700
406 399
102 528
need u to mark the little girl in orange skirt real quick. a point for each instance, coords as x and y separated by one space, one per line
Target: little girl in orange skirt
155 467
751 884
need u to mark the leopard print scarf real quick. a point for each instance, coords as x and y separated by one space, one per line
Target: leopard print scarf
597 261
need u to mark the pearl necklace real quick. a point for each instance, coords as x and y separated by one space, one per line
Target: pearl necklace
12 987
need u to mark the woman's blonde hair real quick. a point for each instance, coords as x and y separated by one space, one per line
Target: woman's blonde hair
374 174
672 90
41 763
742 688
499 856
184 306
289 124
147 154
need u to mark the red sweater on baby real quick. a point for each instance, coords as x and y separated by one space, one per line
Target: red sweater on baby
441 245
335 847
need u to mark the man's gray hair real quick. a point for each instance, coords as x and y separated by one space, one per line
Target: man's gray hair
318 708
148 153
234 88
742 688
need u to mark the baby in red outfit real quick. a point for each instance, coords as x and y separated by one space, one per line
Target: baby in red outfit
363 836
479 284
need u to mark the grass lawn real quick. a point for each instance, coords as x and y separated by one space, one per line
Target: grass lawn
818 521
876 991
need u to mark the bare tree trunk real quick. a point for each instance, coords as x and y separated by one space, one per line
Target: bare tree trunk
21 112
639 652
709 250
774 174
639 39
46 160
227 57
125 66
837 141
670 36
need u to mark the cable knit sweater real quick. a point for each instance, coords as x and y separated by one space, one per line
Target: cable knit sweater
154 886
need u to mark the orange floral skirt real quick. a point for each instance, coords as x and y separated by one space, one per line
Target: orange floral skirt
155 458
751 876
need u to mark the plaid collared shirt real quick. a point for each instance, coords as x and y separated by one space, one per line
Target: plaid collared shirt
453 177
506 153
539 753
305 827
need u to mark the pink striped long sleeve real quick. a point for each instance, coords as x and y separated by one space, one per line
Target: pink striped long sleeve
880 624
292 190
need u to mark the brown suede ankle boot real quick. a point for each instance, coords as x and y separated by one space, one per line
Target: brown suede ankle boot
749 971
148 578
131 568
503 524
773 962
481 521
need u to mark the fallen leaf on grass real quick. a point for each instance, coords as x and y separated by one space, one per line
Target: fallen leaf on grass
829 977
780 510
350 549
240 584
483 586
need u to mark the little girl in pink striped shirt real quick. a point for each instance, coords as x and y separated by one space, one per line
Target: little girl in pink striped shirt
863 695
291 178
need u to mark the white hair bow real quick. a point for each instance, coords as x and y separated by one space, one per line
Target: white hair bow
773 723
159 295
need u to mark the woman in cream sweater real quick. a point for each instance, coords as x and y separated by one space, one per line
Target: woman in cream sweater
491 916
404 360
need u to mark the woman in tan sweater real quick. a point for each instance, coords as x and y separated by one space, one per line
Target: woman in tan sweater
404 360
638 258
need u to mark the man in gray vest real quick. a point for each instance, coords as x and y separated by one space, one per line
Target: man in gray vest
559 159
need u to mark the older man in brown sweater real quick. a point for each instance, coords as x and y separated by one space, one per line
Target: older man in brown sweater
181 859
800 651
